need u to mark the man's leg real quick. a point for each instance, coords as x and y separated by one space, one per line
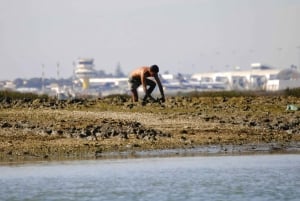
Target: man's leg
134 84
135 97
151 85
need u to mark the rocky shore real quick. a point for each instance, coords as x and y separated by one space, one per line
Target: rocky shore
86 128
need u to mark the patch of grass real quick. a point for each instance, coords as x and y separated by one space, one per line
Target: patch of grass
292 92
295 92
119 97
14 95
220 94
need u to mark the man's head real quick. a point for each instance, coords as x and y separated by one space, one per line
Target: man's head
154 69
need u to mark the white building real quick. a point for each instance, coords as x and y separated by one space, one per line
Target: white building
85 70
259 77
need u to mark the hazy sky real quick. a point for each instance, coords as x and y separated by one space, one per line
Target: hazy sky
186 36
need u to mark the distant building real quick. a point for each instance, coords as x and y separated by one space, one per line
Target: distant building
84 71
259 77
9 85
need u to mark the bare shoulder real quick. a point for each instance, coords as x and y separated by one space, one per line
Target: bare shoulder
139 71
144 69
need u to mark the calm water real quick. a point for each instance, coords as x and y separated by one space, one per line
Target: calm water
234 178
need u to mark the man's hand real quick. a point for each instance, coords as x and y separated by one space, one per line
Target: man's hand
147 96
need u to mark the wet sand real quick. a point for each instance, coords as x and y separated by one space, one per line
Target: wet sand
114 127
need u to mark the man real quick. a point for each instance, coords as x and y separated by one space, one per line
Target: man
140 77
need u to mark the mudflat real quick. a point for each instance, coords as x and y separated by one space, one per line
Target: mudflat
89 128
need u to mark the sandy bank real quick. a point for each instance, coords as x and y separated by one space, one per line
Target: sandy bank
36 130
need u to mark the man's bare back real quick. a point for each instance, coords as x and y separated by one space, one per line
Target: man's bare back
140 72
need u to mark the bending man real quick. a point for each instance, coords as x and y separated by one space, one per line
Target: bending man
140 77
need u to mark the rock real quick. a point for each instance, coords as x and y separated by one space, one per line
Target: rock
6 125
252 123
48 131
183 131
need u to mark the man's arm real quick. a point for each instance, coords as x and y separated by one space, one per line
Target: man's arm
159 86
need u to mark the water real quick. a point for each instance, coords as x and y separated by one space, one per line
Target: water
234 178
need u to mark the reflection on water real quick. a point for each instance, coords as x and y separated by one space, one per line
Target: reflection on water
262 177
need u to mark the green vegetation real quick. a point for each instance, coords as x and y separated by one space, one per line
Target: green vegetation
220 94
14 95
119 99
292 92
229 94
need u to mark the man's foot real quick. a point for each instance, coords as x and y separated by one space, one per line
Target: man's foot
149 98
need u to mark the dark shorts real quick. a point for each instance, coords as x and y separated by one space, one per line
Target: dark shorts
134 83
